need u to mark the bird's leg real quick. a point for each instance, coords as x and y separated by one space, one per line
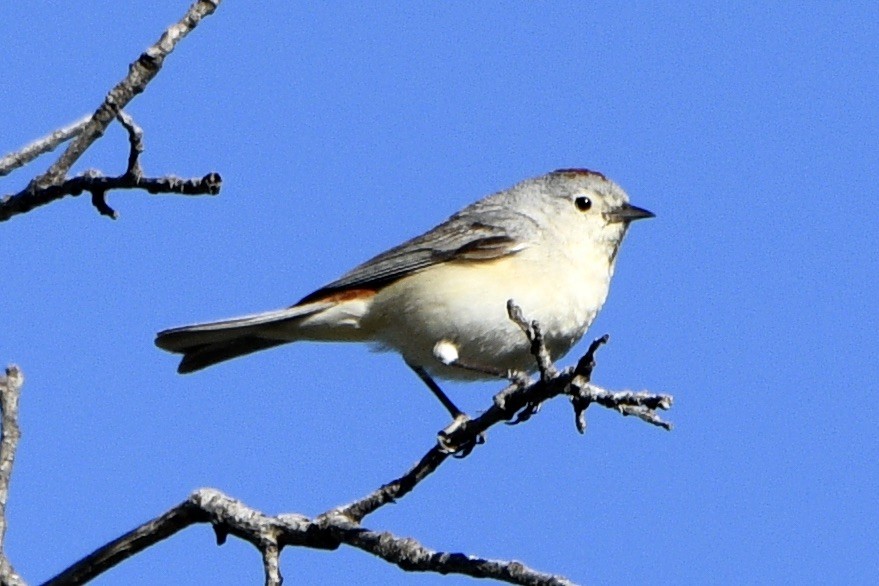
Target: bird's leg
437 391
514 376
459 418
480 369
519 379
447 353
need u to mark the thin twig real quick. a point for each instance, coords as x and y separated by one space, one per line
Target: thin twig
396 489
95 183
272 565
135 142
532 331
47 144
582 376
642 405
10 392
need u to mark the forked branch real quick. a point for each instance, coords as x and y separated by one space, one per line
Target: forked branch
54 183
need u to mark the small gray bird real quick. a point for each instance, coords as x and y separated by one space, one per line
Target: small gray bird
440 300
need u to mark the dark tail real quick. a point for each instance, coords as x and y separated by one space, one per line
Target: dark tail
206 344
198 357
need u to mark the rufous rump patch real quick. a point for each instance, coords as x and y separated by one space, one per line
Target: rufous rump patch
347 295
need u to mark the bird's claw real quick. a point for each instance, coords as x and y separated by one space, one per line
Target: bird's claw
519 378
524 414
448 444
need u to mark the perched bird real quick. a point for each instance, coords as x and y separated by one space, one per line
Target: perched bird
440 300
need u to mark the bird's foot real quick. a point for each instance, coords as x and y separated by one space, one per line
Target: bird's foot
450 444
525 413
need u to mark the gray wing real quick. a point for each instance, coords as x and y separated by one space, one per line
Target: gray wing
482 231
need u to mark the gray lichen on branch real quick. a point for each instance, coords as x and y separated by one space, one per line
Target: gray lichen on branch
10 393
270 535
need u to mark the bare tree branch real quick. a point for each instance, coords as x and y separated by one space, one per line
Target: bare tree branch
271 534
226 515
271 564
47 144
135 142
140 73
52 185
642 405
410 555
10 392
535 336
395 489
98 185
342 525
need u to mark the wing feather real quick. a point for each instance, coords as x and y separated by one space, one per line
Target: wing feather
479 232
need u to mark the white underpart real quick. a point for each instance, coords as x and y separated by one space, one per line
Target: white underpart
338 323
458 310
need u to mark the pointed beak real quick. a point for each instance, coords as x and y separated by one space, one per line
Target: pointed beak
628 213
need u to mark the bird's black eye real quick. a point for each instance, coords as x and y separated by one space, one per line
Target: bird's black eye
583 203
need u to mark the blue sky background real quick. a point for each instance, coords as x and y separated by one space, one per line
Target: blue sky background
340 130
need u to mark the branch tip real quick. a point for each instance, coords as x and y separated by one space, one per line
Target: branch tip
221 532
99 201
212 182
586 364
135 142
271 564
